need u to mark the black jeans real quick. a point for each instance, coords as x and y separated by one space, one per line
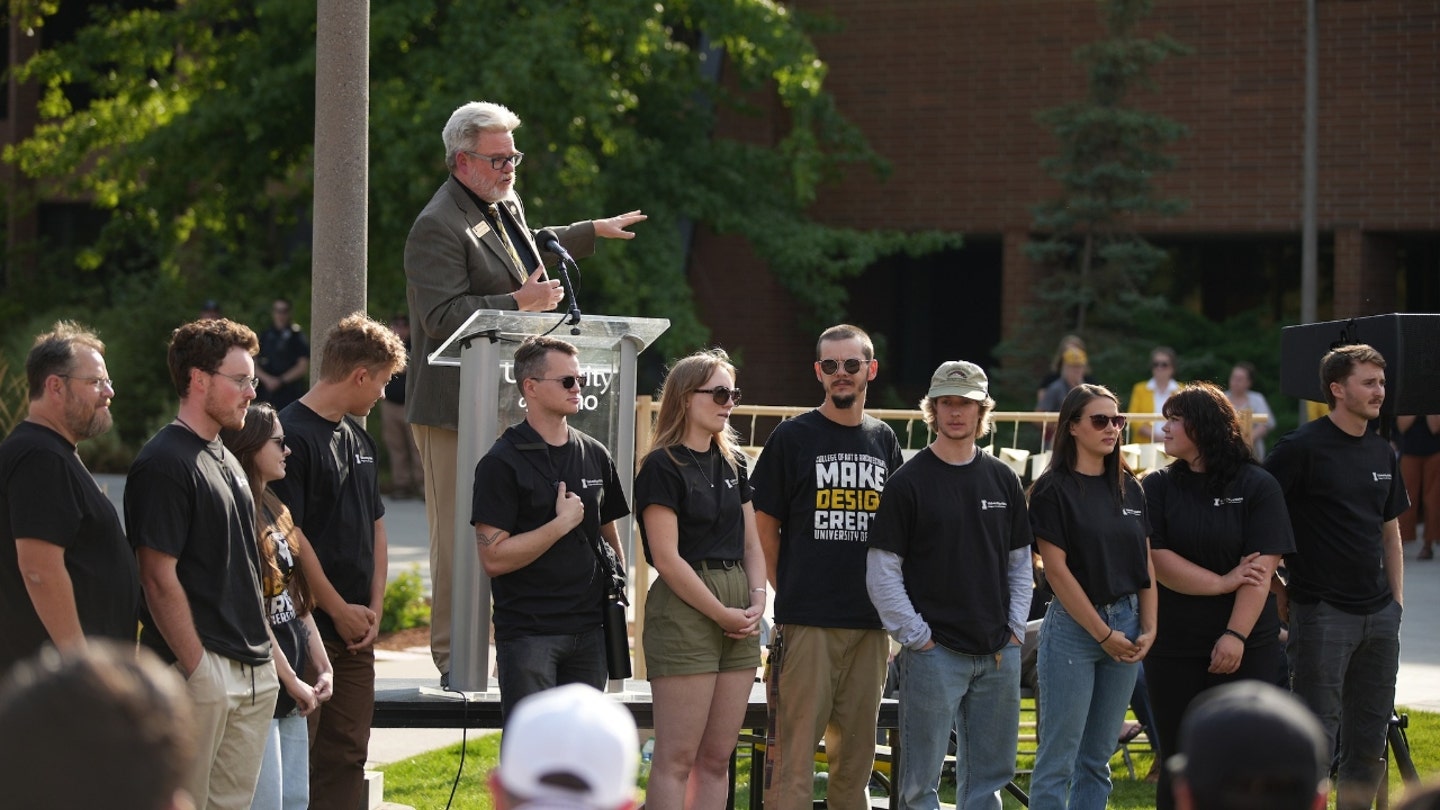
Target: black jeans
533 664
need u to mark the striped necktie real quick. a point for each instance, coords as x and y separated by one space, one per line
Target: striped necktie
502 232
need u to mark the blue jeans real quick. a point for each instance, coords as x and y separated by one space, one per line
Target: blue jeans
285 771
533 664
1083 695
979 697
1344 669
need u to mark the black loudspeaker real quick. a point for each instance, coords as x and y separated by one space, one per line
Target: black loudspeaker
1410 344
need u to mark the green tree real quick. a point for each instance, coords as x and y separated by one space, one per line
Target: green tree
1096 265
192 124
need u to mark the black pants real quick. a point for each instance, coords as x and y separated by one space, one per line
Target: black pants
1174 682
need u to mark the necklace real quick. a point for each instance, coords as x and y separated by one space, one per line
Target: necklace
186 425
698 466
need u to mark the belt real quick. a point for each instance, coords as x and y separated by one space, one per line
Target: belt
714 565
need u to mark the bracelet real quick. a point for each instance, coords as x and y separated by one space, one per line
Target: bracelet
1229 632
757 590
1107 636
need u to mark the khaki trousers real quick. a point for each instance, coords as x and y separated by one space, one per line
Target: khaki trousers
438 449
233 703
830 683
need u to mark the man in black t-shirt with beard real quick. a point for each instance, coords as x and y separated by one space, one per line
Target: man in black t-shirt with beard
948 570
546 498
191 517
333 493
817 486
1343 489
66 571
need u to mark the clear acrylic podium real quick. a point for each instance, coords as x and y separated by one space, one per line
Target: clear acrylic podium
484 349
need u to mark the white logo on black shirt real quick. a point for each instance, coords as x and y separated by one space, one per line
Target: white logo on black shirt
361 458
729 483
1228 501
1128 512
985 505
587 483
1381 476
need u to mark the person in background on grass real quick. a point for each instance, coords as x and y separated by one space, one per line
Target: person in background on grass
567 748
284 359
1218 529
96 727
1090 524
284 782
948 569
1249 745
407 475
66 571
1148 396
817 486
332 489
1246 399
1057 367
191 520
1344 492
1420 467
702 619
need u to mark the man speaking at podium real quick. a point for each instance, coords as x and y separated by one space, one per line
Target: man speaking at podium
471 249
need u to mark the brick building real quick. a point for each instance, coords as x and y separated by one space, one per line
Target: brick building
947 92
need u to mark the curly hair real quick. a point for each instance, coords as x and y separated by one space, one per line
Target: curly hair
1212 424
203 345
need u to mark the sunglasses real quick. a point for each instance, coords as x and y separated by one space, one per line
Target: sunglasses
721 394
568 381
1160 364
279 441
1100 420
852 366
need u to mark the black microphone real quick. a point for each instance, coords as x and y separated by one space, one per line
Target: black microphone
547 239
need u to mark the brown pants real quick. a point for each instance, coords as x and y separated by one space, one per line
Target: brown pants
340 731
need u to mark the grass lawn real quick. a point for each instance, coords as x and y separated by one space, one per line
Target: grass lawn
424 782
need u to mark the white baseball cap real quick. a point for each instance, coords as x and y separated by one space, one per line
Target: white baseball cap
570 746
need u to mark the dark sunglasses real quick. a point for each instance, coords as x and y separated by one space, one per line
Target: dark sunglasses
721 394
1160 364
1100 420
567 381
852 366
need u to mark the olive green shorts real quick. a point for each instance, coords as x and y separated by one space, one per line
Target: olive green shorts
680 640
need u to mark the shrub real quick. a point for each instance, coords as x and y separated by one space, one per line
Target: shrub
405 603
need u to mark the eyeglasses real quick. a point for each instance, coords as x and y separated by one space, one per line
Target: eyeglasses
497 162
95 382
721 394
279 441
852 366
1100 420
567 381
240 379
1160 364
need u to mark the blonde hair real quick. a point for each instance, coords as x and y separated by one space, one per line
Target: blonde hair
684 378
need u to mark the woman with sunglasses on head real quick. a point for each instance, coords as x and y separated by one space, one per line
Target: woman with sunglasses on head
702 618
1088 513
1219 526
284 782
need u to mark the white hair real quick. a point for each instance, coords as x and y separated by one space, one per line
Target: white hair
469 120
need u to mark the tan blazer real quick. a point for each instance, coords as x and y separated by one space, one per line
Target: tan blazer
455 265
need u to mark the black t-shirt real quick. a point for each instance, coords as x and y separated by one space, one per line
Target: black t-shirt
1213 533
285 622
333 491
955 526
1418 440
188 498
47 494
516 484
395 389
1104 542
822 481
280 350
1340 491
705 495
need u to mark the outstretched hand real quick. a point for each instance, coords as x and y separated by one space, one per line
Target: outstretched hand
614 227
